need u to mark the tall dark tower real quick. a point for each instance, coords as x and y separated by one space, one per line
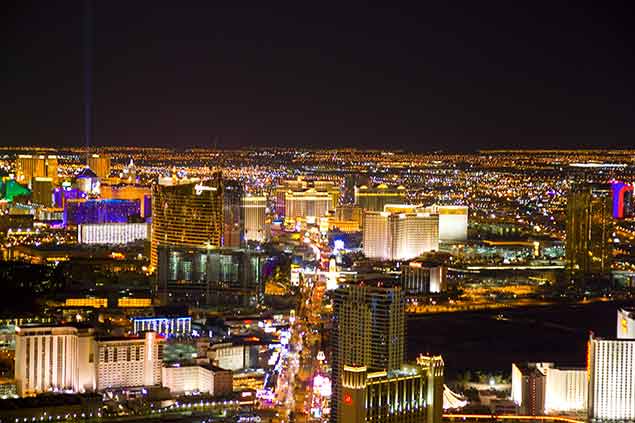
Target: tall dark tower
589 228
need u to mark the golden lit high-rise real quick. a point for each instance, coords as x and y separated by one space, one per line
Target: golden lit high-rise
28 167
375 198
187 215
99 164
589 228
255 211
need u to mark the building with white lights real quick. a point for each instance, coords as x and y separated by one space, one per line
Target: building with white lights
255 209
399 235
309 204
169 326
112 233
53 358
626 323
233 356
420 277
129 362
566 389
611 368
452 222
195 378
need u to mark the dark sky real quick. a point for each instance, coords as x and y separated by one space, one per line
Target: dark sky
437 75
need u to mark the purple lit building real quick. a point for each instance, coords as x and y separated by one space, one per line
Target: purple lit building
99 211
64 193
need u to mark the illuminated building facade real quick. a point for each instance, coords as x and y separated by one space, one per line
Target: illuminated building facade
622 199
589 228
99 164
453 221
566 389
64 193
129 362
84 211
187 379
187 215
28 167
347 219
129 192
375 198
53 358
42 191
529 388
309 204
87 181
420 277
611 379
233 214
255 208
400 236
368 331
112 233
210 276
626 323
234 356
168 326
412 393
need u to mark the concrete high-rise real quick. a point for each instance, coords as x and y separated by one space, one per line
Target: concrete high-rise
28 167
99 164
611 372
589 227
375 198
187 215
400 236
254 209
371 382
233 214
42 191
368 330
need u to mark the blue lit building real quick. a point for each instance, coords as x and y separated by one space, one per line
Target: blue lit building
167 326
83 211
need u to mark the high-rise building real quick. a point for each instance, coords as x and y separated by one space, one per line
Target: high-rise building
28 167
233 214
129 192
400 236
129 361
42 191
543 388
452 222
191 378
209 276
626 323
623 205
255 208
589 228
309 204
99 164
52 358
412 393
422 276
368 331
112 233
611 372
308 198
82 211
187 215
375 198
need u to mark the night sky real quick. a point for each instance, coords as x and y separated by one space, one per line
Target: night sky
437 75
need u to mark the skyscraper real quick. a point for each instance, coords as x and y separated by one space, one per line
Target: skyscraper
187 215
99 164
28 167
375 198
233 214
589 227
400 236
371 382
309 204
368 331
42 191
254 211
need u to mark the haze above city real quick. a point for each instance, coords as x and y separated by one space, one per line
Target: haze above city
420 77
